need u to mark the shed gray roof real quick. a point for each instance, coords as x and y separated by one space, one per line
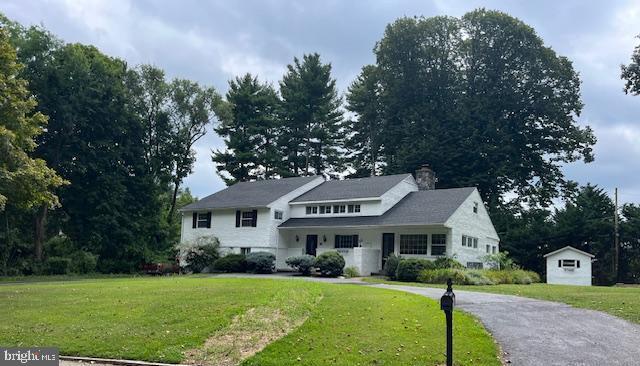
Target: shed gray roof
417 208
352 188
250 194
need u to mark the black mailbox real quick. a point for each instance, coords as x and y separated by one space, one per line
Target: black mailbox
448 300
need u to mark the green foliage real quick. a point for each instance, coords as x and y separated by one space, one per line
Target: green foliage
409 269
447 262
57 265
330 263
249 125
231 263
631 73
83 262
391 266
302 263
261 262
351 272
477 277
500 260
312 119
439 78
199 254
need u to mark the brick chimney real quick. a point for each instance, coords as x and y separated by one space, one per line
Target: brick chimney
426 178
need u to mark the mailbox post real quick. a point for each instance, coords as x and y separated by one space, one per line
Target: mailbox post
447 302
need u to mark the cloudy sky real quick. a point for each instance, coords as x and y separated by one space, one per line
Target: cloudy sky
213 41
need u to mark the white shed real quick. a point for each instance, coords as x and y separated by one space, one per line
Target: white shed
569 266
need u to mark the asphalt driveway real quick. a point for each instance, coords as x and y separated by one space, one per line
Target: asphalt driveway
542 333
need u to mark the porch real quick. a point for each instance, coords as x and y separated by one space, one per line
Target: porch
365 248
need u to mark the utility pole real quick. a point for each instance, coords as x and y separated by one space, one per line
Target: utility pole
616 237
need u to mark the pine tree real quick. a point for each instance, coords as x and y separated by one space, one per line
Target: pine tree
249 125
312 119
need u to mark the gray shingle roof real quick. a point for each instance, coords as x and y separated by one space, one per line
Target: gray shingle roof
352 188
250 194
416 208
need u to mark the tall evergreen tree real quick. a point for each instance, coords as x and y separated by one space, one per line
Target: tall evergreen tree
249 125
484 101
364 141
312 119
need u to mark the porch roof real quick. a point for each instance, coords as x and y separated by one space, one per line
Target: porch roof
432 207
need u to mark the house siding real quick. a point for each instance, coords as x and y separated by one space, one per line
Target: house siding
478 225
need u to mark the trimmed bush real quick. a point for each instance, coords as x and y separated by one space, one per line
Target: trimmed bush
477 277
261 262
302 263
351 272
330 263
84 262
57 265
391 266
231 263
457 275
446 262
409 269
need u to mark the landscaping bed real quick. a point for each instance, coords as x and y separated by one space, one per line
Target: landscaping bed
205 320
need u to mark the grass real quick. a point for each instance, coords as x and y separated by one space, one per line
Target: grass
623 301
219 321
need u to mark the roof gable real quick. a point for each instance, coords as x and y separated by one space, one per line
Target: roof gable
250 194
568 247
352 188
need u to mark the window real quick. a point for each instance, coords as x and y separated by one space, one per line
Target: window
312 210
339 208
277 215
475 207
568 263
488 248
494 250
475 265
438 244
471 242
322 210
414 244
346 241
356 208
245 251
247 219
308 210
475 243
325 209
203 219
350 208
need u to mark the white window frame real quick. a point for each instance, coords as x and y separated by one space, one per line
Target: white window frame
278 215
246 218
439 245
203 218
414 244
356 208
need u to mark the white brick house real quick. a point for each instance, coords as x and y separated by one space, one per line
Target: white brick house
364 219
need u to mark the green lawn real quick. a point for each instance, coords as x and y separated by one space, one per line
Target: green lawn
188 319
623 302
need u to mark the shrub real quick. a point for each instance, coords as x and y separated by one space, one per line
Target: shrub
302 263
441 275
231 263
57 265
477 277
447 262
261 262
199 254
350 272
518 276
83 262
500 261
408 269
391 266
330 263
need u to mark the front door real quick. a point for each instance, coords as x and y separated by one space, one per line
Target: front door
312 244
388 246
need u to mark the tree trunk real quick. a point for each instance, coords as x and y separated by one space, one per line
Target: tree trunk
39 234
172 209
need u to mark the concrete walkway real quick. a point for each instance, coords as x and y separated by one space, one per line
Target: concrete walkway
535 332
